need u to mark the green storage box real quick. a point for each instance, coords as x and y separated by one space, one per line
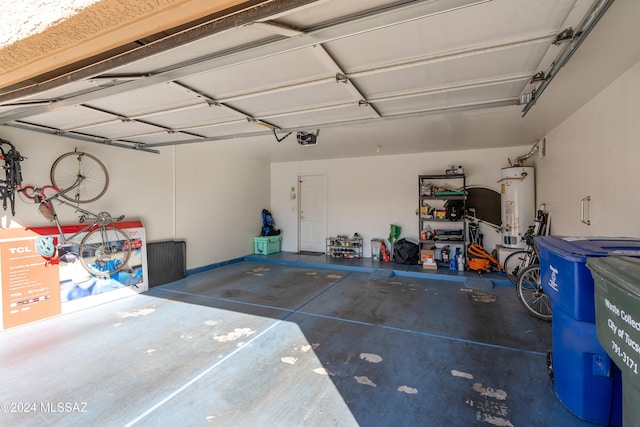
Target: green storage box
617 302
266 245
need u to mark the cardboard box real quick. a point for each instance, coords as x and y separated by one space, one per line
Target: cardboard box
428 259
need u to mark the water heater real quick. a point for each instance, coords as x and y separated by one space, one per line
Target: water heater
517 192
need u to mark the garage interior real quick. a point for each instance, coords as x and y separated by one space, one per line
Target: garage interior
201 113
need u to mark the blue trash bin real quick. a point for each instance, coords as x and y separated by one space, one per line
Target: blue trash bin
586 380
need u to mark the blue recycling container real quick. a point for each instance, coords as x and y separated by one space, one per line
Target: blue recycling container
565 277
586 380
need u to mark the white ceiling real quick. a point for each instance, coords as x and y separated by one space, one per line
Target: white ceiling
372 75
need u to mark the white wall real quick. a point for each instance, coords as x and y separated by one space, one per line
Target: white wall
219 202
595 153
210 195
140 184
367 194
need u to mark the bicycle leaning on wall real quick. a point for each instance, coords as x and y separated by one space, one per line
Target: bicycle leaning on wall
79 177
523 270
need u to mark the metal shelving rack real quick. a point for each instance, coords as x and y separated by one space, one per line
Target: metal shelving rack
344 247
433 232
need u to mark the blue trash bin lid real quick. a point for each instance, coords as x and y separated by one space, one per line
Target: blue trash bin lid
578 249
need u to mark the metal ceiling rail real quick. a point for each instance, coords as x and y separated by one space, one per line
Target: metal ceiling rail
322 54
213 102
124 119
500 103
317 108
443 89
597 11
450 88
452 109
387 18
86 138
415 62
309 83
341 77
400 65
119 117
457 54
148 147
227 19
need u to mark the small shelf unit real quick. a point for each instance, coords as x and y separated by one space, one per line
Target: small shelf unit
344 247
436 231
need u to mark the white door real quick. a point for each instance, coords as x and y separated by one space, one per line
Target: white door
313 212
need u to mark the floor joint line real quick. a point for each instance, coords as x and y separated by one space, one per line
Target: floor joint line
200 375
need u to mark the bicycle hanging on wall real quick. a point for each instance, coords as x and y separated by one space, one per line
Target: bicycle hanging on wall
12 174
78 177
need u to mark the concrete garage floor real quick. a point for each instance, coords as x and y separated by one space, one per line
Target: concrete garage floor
274 342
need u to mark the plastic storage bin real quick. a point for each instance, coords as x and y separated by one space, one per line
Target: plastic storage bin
617 301
587 382
376 245
266 245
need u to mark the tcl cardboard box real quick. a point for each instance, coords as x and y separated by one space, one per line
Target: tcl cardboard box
428 259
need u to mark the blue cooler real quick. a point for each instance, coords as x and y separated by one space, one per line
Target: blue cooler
586 381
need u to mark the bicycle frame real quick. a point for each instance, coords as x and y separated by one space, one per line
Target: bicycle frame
104 249
102 240
100 220
12 172
528 255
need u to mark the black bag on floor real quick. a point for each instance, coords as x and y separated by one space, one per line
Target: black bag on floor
405 252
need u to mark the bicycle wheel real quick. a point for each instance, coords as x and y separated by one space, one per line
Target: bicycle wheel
77 165
105 250
531 295
513 264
